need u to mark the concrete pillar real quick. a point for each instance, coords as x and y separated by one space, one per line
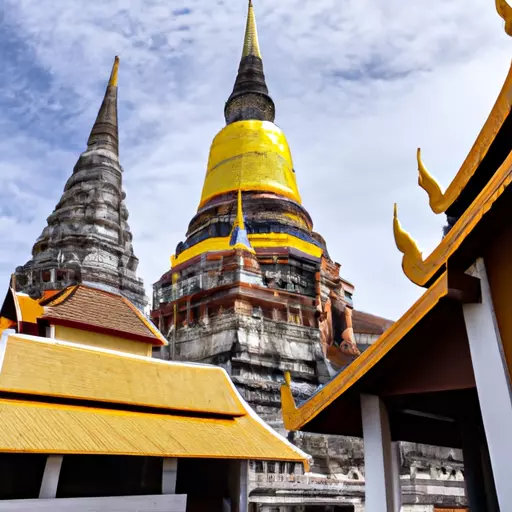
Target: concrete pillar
51 476
244 486
169 474
493 385
380 484
239 485
395 473
473 474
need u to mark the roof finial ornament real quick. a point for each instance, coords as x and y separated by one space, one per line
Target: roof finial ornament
407 246
505 11
428 183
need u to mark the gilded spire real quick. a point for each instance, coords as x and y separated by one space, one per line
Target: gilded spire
239 238
113 75
505 11
105 133
251 42
250 99
239 212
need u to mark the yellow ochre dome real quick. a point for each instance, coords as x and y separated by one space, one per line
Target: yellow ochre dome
250 156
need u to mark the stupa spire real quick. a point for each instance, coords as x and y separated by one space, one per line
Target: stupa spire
250 99
105 132
251 42
87 239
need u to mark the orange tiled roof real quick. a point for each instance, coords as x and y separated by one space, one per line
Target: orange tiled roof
365 323
101 311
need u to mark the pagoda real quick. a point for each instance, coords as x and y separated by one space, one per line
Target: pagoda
87 239
253 288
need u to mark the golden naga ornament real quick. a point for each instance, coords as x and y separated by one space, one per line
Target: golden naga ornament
412 261
428 183
505 11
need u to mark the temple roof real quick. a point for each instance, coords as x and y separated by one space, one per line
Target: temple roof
447 290
82 307
97 309
366 323
426 350
163 409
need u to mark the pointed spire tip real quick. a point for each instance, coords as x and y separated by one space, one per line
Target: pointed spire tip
251 42
113 74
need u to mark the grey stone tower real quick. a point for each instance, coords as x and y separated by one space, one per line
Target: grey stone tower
87 239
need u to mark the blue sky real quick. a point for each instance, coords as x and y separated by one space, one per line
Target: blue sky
358 86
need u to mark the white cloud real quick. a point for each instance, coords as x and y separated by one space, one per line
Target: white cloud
358 85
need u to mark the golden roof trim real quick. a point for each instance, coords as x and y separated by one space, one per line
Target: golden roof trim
296 417
27 309
146 322
439 201
420 271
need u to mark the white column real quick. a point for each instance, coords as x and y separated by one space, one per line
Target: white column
395 473
493 385
244 486
169 474
51 475
378 466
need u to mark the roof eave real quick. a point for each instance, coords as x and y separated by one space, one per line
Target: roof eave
456 286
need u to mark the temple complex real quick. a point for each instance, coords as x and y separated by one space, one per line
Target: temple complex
89 420
87 239
254 334
253 289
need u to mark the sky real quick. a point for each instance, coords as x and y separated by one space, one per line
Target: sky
358 86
